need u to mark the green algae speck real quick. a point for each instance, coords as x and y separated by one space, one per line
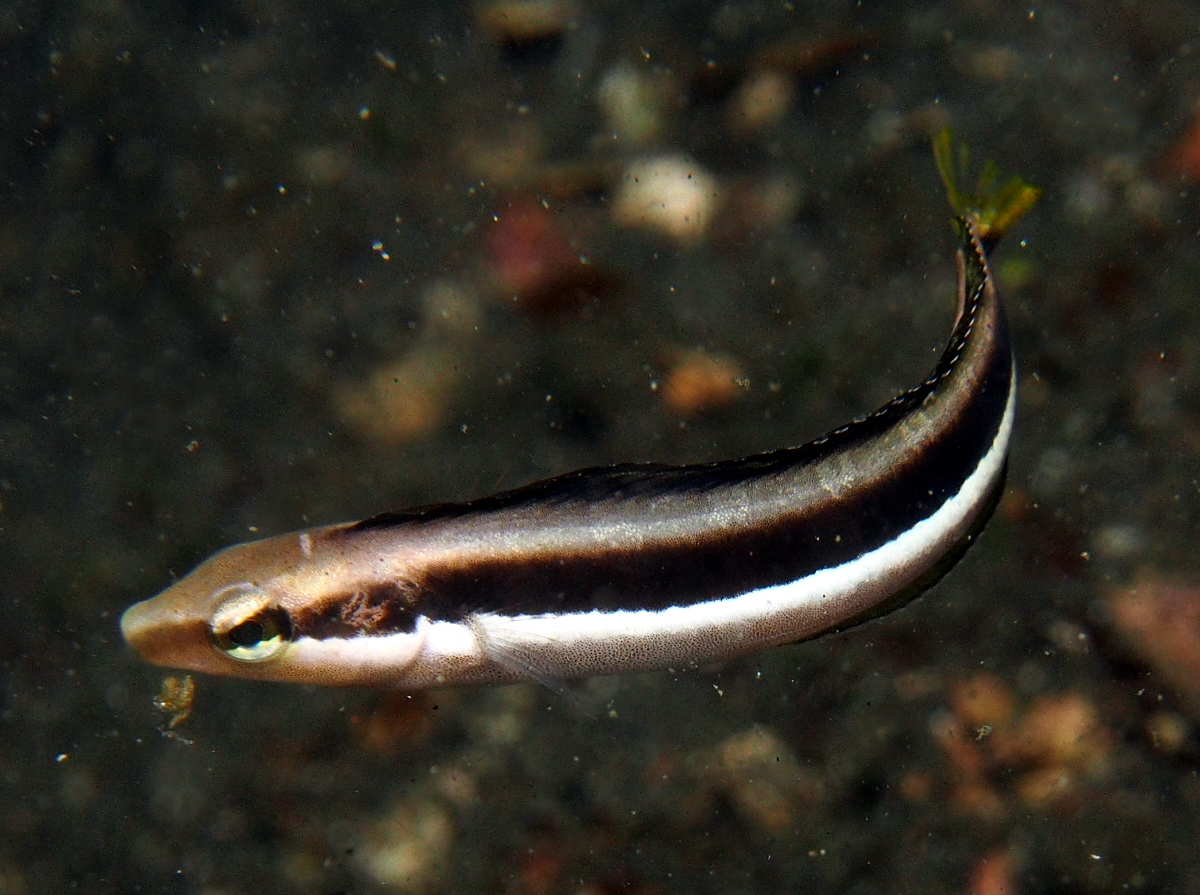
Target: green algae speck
993 205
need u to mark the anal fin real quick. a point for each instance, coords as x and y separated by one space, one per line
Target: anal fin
507 653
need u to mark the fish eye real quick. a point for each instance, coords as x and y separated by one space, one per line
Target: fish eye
248 625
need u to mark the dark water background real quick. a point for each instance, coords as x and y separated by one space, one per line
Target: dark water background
191 306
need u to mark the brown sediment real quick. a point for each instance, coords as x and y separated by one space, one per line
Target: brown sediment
1158 618
1041 755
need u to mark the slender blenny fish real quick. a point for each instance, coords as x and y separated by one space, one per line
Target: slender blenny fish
625 568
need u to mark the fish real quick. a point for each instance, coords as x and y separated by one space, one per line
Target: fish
626 568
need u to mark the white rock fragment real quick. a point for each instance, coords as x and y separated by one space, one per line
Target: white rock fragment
668 193
632 104
525 21
408 849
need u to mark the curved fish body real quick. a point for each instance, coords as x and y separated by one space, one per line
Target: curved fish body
624 568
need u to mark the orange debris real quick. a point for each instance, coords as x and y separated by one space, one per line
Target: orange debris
699 382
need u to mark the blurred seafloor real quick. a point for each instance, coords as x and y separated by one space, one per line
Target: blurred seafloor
266 265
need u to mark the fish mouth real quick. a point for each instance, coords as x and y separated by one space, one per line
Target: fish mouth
137 628
164 637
